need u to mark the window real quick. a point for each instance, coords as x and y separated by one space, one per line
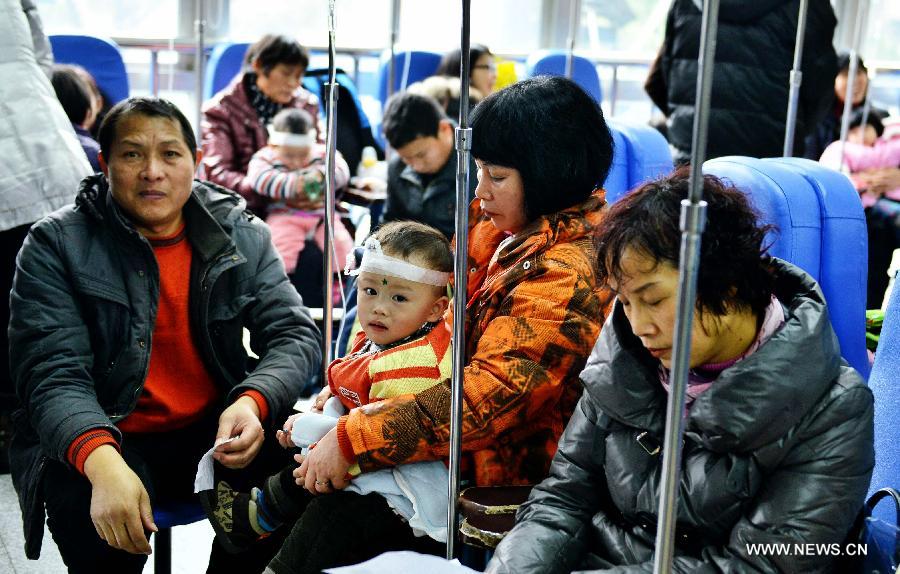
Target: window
358 23
119 18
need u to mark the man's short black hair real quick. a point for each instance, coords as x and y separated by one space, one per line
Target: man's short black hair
553 133
72 92
409 116
734 272
273 49
151 107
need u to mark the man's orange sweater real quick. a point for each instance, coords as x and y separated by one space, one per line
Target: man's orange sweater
179 389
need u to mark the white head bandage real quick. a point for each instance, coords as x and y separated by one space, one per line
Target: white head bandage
289 139
375 261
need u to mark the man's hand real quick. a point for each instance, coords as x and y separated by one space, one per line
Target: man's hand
120 506
325 468
241 419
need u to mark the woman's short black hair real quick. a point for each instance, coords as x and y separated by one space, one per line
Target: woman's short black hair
409 116
553 133
451 62
273 49
150 107
72 92
734 272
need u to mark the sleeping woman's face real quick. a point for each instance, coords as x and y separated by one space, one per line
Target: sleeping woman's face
648 294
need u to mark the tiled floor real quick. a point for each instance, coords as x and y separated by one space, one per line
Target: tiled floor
190 544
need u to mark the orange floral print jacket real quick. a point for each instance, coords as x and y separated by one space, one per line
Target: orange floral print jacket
533 314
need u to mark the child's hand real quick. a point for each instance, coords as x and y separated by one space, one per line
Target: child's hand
284 435
321 398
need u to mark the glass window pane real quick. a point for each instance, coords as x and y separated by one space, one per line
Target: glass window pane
118 18
358 23
635 28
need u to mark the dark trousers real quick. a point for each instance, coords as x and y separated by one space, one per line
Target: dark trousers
166 463
345 528
10 242
883 224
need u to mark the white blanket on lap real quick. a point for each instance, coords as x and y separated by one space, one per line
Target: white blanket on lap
417 491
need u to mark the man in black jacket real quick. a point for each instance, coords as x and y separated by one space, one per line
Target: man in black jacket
422 174
127 318
753 60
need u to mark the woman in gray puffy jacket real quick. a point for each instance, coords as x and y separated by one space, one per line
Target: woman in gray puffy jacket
778 446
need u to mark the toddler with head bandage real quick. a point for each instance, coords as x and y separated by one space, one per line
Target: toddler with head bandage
403 347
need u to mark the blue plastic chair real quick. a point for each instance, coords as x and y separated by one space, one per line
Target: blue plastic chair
844 262
785 200
315 80
99 56
409 67
617 182
553 63
167 516
225 62
641 155
885 387
817 230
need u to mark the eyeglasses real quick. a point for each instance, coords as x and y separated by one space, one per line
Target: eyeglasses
491 67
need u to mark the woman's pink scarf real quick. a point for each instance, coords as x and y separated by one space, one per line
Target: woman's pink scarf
702 377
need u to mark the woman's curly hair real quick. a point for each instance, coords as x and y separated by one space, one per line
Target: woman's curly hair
734 273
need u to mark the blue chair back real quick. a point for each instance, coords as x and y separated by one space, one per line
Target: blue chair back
225 62
884 384
99 56
315 81
784 200
553 63
844 262
616 184
818 229
409 67
644 152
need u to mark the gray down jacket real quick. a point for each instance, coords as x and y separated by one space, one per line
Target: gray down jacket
83 308
778 450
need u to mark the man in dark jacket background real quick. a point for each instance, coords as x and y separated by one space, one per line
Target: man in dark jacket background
127 318
422 174
753 60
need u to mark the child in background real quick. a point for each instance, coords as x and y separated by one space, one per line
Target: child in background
872 154
403 347
291 171
868 149
77 98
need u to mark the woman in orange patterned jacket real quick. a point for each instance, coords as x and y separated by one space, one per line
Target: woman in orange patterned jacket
534 311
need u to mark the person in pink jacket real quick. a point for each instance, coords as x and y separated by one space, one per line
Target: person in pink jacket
872 156
234 122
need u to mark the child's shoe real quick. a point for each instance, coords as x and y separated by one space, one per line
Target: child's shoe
233 516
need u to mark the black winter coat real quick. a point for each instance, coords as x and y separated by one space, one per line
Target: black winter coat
83 308
754 56
778 450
